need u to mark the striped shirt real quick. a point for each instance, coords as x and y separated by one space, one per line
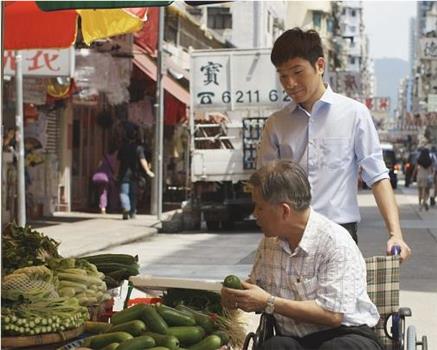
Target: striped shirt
326 266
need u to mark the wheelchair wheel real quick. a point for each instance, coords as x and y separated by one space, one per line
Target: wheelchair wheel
411 338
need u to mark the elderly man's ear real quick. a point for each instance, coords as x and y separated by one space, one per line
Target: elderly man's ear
287 210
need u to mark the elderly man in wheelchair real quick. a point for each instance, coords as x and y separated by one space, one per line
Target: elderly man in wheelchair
309 276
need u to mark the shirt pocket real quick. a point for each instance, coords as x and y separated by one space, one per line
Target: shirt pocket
335 151
306 289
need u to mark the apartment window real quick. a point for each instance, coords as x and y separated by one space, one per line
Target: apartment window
330 25
317 19
219 18
352 29
352 60
353 13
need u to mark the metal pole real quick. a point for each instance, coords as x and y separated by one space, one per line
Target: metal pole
21 190
156 204
1 116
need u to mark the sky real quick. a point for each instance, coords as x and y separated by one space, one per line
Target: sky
387 26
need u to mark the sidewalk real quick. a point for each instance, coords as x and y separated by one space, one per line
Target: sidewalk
81 234
418 276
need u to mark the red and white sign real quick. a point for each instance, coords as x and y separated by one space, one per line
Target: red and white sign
378 104
44 62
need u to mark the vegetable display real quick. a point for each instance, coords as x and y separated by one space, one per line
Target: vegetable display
22 246
116 267
80 279
161 327
53 315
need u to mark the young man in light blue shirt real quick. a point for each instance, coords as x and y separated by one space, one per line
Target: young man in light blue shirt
331 136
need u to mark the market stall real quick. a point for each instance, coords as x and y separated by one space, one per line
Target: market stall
101 302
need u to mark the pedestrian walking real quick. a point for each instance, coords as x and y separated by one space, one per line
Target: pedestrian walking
309 274
433 154
133 165
424 172
331 136
105 180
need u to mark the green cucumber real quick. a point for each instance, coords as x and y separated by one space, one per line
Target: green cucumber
96 327
211 342
232 281
168 341
201 319
174 317
130 314
135 327
153 320
101 340
111 258
111 346
223 336
187 335
110 267
138 343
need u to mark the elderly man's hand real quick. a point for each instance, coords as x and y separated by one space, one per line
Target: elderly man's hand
251 298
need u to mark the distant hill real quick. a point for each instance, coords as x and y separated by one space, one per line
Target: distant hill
388 73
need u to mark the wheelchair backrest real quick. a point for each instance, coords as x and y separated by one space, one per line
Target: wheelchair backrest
383 289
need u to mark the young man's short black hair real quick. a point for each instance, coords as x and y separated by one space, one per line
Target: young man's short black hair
297 43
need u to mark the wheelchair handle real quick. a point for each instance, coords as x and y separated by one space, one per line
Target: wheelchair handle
395 250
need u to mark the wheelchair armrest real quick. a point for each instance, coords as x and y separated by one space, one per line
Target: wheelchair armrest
404 312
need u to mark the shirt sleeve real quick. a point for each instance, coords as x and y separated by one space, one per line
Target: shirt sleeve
267 148
140 152
256 272
368 149
342 280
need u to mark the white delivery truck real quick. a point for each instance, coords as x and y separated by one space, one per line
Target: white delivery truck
233 91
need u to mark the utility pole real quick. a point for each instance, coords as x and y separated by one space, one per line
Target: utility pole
156 198
21 190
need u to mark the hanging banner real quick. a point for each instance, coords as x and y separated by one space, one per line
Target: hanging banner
44 62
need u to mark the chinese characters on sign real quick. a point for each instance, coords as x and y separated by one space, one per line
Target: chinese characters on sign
348 83
228 80
378 104
50 62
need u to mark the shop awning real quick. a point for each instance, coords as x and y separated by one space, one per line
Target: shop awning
143 61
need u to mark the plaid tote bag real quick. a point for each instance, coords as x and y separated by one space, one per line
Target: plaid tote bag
383 290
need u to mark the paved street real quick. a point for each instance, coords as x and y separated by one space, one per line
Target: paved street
214 255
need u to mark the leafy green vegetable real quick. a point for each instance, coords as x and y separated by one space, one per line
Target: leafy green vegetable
22 246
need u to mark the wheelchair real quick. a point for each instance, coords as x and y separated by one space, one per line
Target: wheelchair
383 290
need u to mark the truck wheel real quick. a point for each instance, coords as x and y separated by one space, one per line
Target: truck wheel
212 225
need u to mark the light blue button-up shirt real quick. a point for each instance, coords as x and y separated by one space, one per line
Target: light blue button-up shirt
331 143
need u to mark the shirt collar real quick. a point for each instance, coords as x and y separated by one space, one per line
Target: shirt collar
306 243
327 97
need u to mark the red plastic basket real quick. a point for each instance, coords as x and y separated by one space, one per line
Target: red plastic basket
143 301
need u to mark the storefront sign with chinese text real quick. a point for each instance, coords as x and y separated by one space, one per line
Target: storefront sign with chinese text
235 79
378 104
44 62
